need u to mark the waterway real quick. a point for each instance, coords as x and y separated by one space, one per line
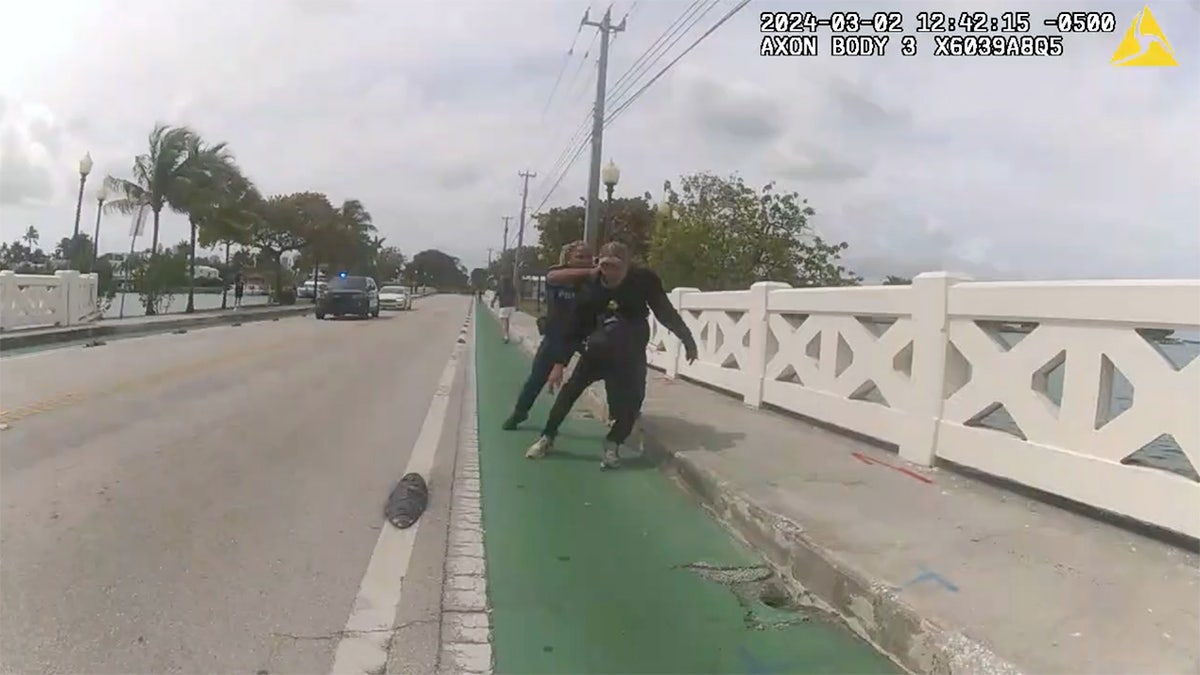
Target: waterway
177 303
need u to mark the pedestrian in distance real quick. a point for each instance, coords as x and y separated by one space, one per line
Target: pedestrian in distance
506 295
239 287
560 308
610 320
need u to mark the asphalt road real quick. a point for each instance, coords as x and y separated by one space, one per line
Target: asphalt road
208 502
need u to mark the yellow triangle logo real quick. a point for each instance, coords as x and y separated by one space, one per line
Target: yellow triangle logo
1144 44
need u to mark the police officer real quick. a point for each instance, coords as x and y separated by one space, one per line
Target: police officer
610 321
560 305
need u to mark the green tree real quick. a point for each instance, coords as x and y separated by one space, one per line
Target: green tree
435 268
285 223
721 234
631 221
533 262
155 177
557 228
479 279
156 275
388 264
74 251
207 177
230 224
891 280
31 236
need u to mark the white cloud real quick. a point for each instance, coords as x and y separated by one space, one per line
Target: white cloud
426 111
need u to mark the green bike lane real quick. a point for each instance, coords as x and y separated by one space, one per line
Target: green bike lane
597 572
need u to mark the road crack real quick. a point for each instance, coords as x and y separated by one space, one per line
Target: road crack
339 634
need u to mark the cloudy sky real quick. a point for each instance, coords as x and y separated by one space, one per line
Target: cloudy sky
1013 168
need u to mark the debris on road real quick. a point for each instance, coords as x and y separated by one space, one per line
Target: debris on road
407 501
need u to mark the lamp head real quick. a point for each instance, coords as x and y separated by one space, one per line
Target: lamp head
85 164
610 174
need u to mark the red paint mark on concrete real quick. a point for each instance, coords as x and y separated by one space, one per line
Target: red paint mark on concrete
907 472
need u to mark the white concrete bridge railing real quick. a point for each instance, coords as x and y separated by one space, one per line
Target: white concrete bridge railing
1061 386
46 300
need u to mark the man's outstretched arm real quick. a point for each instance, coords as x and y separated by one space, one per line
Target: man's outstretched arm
668 316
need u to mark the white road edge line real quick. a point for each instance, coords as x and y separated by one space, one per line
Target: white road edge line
363 648
466 640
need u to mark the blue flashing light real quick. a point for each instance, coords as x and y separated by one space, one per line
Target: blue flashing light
342 275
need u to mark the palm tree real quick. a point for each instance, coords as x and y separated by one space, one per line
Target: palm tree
155 176
31 236
357 230
208 175
231 223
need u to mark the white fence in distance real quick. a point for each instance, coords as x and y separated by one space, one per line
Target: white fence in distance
922 366
65 298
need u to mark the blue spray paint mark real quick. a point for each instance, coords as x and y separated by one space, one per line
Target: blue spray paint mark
927 575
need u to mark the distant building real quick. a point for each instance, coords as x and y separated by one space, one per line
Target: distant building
206 272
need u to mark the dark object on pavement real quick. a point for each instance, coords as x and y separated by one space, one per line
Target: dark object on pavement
407 502
181 331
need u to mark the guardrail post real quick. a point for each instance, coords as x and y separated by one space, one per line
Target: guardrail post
759 330
66 284
672 343
930 370
8 295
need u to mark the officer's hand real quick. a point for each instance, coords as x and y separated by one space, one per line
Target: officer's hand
554 381
691 354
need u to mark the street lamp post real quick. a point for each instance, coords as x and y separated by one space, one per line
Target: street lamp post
101 197
85 167
611 175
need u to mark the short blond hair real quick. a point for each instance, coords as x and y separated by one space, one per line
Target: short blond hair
569 249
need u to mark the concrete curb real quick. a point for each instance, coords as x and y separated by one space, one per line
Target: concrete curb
870 607
37 338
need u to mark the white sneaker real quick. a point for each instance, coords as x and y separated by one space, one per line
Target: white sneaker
612 456
539 448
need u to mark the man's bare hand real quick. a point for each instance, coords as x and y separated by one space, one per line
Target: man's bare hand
554 381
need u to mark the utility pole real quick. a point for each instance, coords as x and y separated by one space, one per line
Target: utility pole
521 230
590 222
490 252
504 244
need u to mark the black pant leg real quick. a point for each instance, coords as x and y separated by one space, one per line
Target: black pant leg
586 372
543 363
625 386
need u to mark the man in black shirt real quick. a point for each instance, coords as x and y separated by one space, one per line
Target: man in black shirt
560 306
610 320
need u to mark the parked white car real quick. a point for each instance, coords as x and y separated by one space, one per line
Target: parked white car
395 297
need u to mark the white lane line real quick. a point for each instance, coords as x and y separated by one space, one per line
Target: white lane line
364 644
466 624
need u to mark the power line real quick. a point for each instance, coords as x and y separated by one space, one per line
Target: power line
653 45
678 34
581 145
578 151
563 68
581 132
615 113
